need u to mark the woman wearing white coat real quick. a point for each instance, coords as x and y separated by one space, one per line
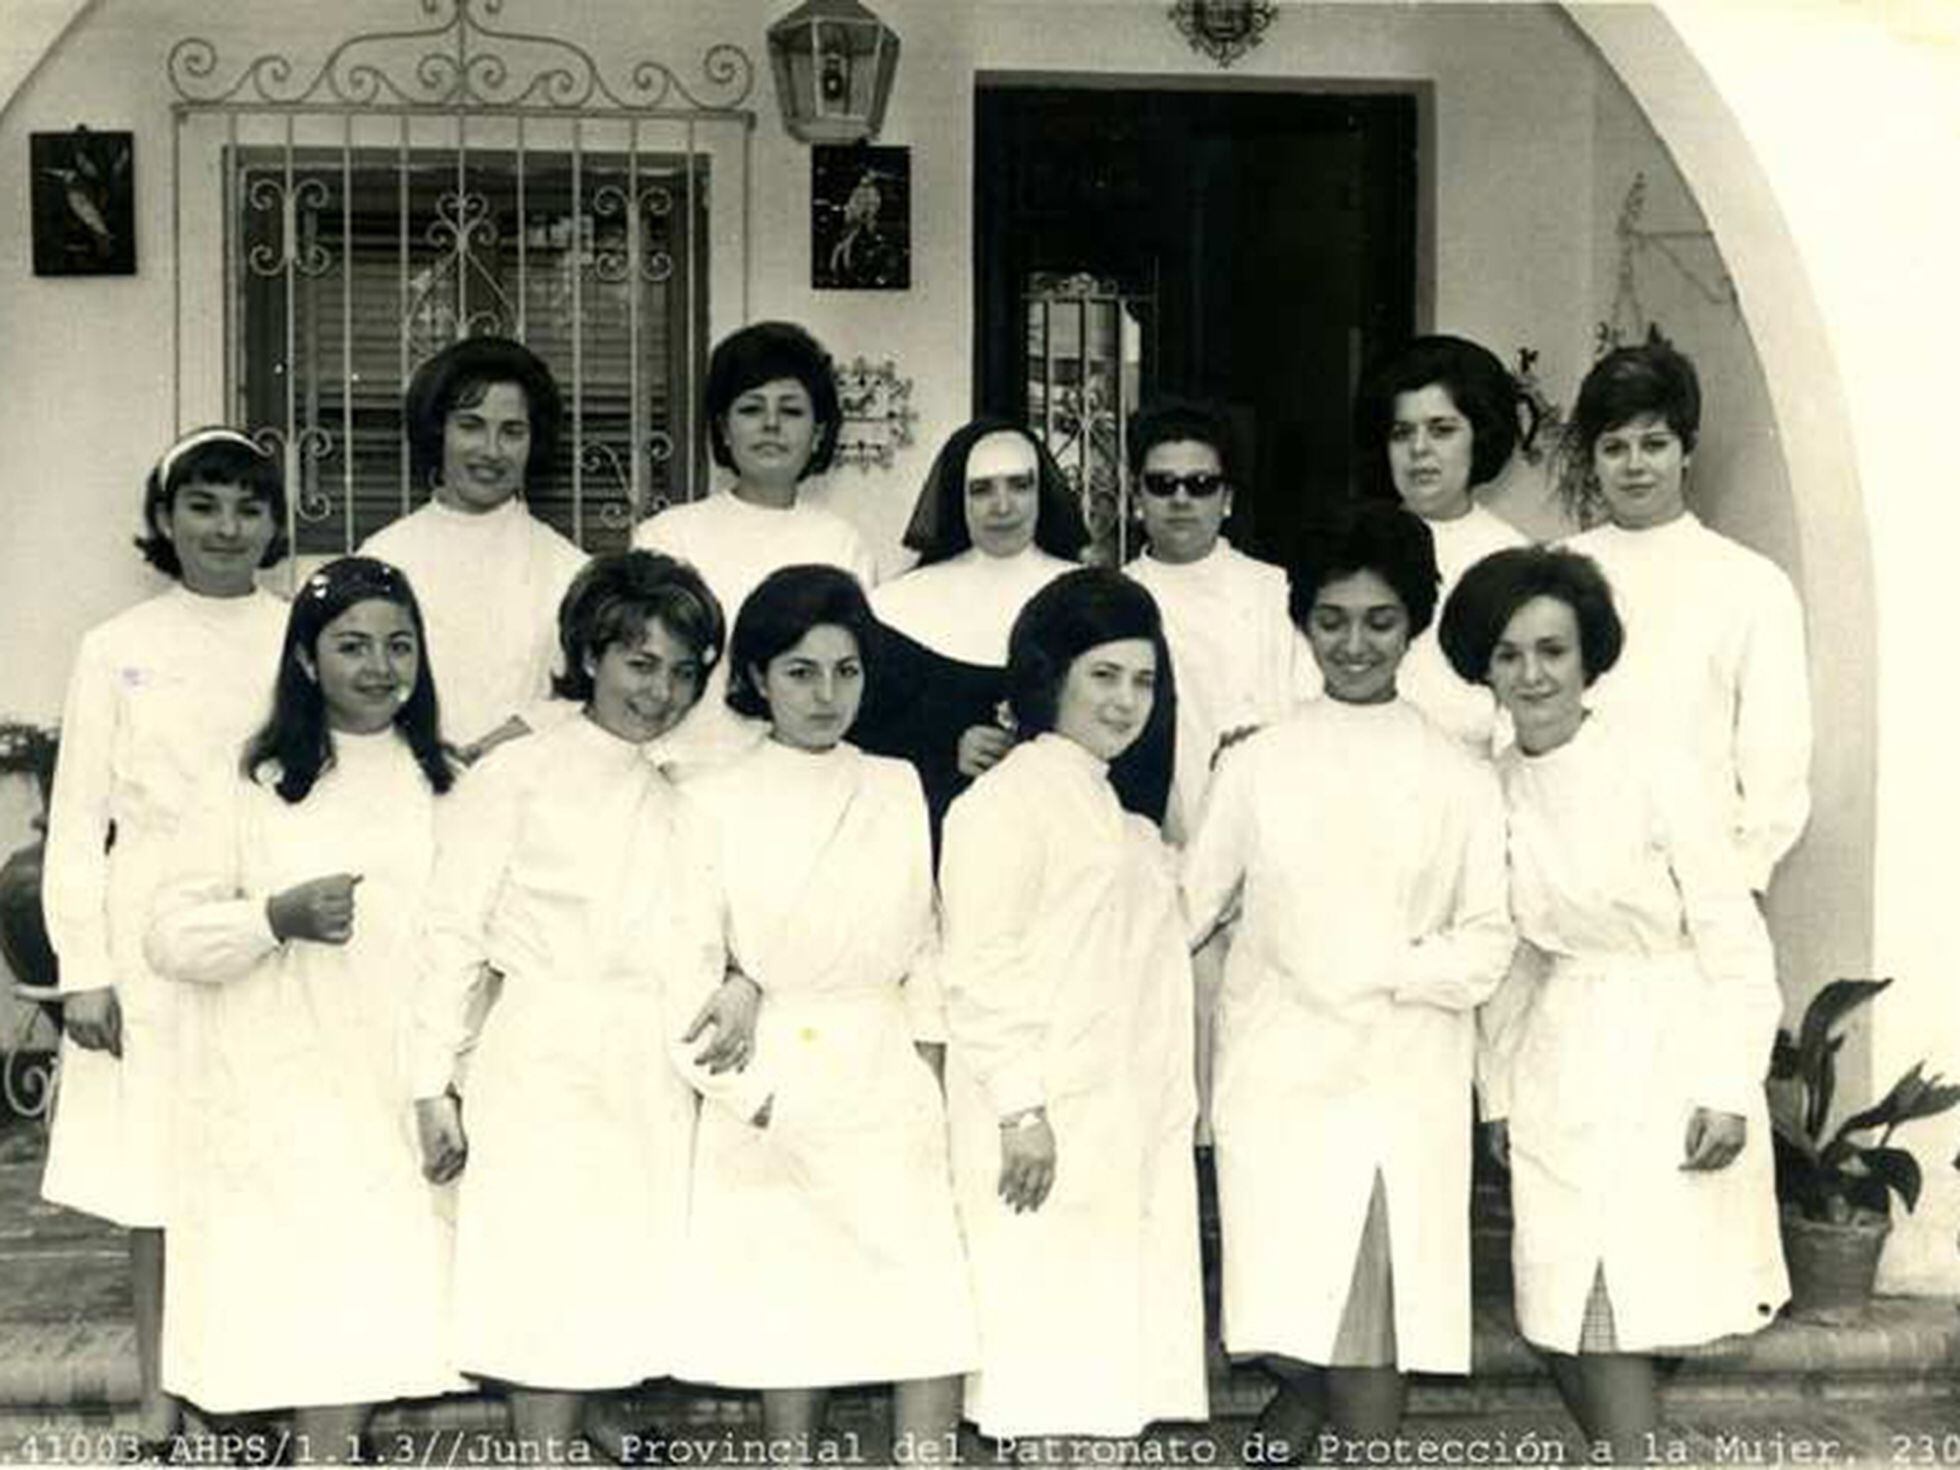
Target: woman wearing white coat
162 696
1365 848
834 1225
1069 1013
1436 421
1626 1081
1714 668
306 1255
569 864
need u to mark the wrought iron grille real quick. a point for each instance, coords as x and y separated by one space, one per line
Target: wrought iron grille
439 181
1088 342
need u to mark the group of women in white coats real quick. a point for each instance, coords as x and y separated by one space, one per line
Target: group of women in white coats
649 1051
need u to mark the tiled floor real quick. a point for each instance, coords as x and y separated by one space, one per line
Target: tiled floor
1887 1393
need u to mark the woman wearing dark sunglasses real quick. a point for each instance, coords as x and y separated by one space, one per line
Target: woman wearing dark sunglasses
1433 422
1240 661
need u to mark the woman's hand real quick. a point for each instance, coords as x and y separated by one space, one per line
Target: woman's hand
1714 1139
731 1011
933 1054
1231 738
981 747
1497 1142
439 1129
321 909
1027 1161
93 1019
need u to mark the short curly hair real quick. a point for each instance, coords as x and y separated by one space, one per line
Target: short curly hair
762 353
1373 536
612 600
210 456
1489 594
1480 386
458 377
1172 420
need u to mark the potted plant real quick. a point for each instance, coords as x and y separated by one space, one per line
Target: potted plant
1835 1186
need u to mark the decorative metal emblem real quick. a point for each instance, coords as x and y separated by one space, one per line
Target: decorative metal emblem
460 61
1627 319
878 413
1223 29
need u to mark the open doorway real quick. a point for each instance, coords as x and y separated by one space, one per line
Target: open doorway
1250 247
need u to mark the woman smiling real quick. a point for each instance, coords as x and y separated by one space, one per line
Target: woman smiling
1069 1008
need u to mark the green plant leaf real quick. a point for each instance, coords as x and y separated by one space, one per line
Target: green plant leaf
1829 1006
1898 1169
1783 1056
1789 1129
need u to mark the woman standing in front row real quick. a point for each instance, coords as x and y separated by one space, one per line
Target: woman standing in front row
825 1245
568 864
1626 1085
1069 1007
1366 849
162 694
307 1261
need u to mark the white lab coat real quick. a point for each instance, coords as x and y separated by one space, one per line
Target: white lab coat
1366 849
489 586
1238 658
162 700
306 1258
1659 996
1713 669
1068 984
834 1225
1466 711
734 545
570 865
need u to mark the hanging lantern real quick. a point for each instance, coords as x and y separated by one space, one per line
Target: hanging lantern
835 63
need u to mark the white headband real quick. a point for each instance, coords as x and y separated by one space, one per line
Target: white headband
196 439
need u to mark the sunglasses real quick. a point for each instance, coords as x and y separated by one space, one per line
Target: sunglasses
1199 486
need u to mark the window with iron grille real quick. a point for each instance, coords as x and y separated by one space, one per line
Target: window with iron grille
335 221
590 257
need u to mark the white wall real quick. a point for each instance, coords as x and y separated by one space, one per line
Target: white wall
1855 116
1528 136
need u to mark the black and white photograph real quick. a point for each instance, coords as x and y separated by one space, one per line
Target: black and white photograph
860 218
84 203
978 732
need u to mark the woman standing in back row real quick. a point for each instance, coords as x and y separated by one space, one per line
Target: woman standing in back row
1714 668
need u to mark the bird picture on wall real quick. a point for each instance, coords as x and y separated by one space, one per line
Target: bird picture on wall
860 218
84 202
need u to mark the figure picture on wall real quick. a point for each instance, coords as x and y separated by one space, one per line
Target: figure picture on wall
84 202
861 218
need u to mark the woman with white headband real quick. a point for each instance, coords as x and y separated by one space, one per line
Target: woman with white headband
159 694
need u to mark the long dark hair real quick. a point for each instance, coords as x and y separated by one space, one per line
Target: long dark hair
295 740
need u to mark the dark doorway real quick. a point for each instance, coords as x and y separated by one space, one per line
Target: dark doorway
1262 245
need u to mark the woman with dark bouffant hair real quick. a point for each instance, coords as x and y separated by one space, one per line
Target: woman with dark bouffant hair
835 1228
1623 1079
1715 666
483 418
569 865
773 421
1069 1012
291 929
1363 849
159 694
1435 422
